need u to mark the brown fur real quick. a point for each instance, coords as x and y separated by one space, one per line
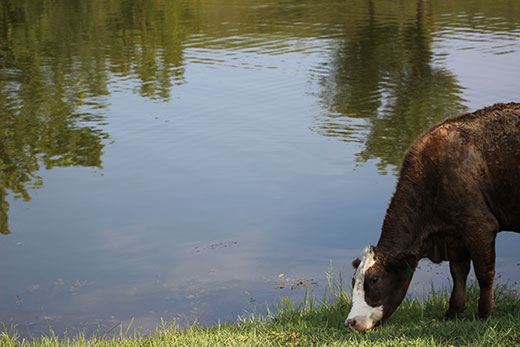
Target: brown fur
459 185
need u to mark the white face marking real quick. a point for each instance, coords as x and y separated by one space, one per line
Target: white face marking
365 315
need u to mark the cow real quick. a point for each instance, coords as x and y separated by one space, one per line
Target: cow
458 186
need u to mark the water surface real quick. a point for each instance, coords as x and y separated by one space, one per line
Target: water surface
174 158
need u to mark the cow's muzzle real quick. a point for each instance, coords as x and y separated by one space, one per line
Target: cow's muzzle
360 323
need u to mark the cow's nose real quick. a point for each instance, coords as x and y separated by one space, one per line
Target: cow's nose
351 323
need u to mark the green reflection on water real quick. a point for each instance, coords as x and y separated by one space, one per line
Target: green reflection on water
58 60
383 72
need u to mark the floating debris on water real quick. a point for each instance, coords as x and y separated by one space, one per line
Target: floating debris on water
215 246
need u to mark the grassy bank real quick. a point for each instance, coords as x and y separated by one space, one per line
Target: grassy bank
312 322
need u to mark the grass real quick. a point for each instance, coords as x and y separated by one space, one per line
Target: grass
313 322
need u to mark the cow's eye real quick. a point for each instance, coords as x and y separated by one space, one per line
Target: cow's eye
373 280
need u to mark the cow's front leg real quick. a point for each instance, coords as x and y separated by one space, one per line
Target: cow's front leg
459 268
482 251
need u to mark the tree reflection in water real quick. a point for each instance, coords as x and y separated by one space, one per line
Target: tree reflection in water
384 74
59 62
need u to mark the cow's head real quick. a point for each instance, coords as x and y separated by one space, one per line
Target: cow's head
378 287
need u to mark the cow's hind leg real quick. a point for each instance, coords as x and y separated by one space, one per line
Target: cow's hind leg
481 246
459 268
485 271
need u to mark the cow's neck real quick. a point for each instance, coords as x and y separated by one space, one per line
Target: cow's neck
404 227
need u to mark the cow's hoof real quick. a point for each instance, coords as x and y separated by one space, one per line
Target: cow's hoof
483 315
454 313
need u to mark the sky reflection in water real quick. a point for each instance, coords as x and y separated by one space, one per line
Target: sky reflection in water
169 157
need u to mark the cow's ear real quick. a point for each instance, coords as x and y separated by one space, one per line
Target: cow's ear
355 263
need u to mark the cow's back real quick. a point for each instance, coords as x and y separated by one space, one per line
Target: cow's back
500 146
481 155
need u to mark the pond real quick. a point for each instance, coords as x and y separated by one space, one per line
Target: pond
193 160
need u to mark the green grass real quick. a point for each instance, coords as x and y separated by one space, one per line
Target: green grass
313 322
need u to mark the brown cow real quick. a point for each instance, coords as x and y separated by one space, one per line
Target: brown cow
459 185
